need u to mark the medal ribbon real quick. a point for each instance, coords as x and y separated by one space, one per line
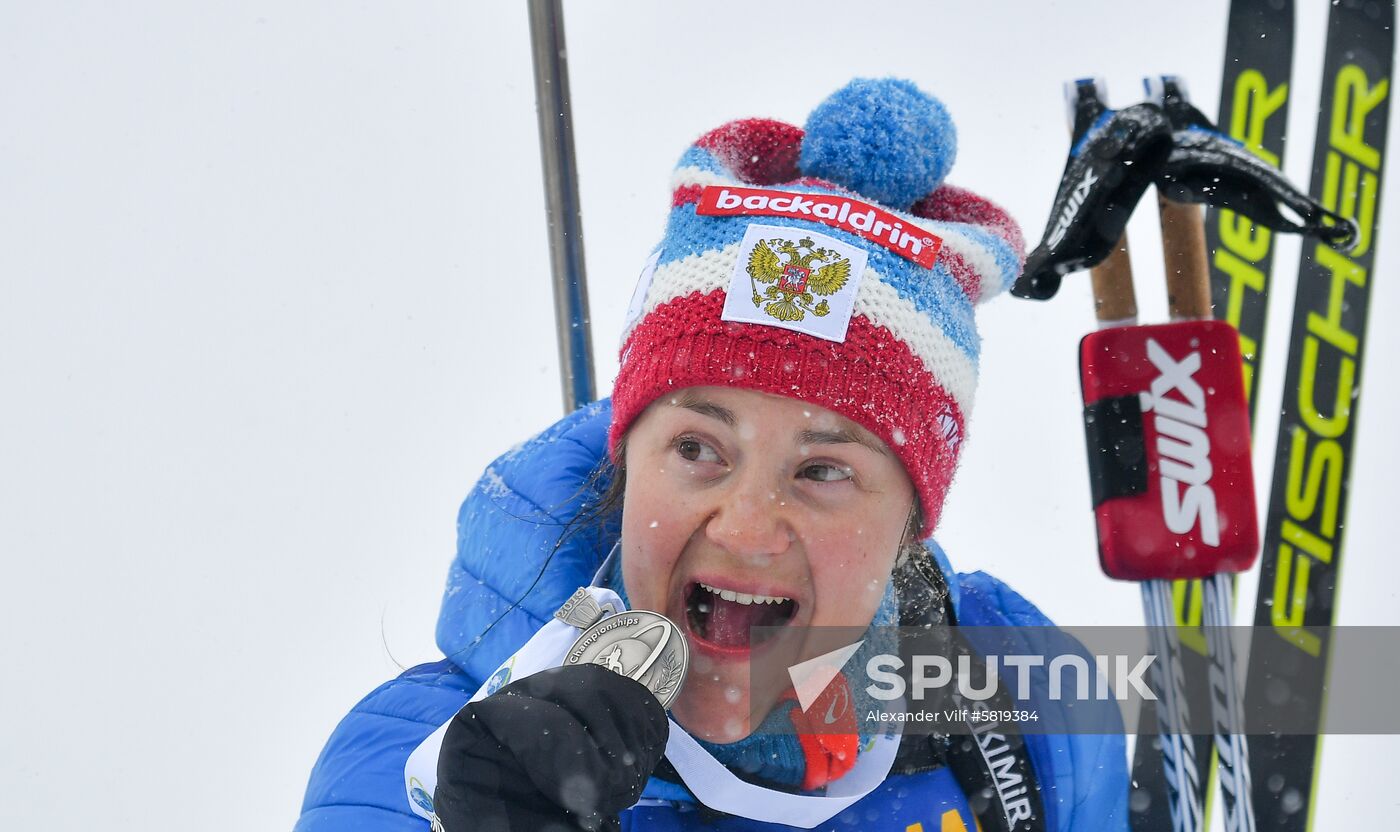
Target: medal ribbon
712 783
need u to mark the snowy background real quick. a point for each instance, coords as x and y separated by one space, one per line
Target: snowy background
274 290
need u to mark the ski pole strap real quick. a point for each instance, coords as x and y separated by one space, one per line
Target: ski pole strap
1315 219
1205 165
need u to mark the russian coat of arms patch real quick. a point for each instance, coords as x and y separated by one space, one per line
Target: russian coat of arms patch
795 279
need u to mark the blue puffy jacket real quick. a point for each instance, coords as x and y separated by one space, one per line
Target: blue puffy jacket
507 527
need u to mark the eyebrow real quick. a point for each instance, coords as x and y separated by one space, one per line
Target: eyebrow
690 401
838 436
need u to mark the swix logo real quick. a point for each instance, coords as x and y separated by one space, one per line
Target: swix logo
1183 448
860 218
1076 201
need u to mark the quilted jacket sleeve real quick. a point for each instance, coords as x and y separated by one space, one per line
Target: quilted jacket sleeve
357 784
518 557
510 546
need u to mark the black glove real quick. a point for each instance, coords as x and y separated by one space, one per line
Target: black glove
565 749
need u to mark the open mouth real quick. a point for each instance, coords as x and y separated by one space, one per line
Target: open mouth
725 618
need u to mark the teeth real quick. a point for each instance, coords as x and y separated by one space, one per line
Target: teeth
744 597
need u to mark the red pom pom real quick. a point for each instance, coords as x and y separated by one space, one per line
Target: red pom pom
953 204
760 151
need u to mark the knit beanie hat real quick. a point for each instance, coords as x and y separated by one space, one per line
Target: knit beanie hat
828 264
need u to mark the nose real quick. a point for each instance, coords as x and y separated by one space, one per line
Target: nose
753 518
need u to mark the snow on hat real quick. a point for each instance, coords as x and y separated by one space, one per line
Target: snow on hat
830 265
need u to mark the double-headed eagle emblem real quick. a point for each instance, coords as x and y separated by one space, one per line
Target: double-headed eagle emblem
793 275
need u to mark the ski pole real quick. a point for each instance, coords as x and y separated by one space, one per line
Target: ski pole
553 105
1206 166
1188 296
1115 305
1176 433
1254 98
1168 438
1182 234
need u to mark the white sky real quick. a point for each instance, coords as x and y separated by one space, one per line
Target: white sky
274 289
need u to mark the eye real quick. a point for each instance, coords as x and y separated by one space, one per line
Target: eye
824 472
693 450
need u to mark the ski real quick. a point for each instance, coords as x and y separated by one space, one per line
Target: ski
1304 524
1253 110
1254 95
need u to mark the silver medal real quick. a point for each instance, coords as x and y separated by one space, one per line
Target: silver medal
639 644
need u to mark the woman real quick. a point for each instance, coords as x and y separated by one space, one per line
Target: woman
791 400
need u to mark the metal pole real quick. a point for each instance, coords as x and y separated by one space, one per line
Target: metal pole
562 203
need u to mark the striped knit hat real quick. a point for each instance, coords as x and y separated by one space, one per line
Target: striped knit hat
830 265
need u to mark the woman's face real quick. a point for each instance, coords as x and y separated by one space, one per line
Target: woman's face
746 509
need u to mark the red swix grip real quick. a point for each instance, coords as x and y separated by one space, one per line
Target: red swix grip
1168 430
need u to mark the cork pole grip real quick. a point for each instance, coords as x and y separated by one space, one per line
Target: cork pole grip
1184 253
1112 282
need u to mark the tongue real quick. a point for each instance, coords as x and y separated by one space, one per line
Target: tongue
729 621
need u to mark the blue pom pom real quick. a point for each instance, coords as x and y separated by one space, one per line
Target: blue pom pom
883 138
